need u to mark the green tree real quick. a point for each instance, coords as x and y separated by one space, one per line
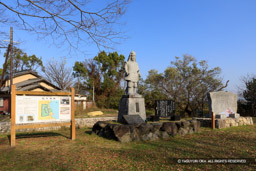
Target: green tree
187 82
249 94
102 76
150 91
22 61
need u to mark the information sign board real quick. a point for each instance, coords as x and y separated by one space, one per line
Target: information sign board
34 109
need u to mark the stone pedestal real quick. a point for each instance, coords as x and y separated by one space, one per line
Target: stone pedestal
131 105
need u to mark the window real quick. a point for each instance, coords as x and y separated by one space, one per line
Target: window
1 102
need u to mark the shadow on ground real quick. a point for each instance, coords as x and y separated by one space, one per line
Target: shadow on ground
37 135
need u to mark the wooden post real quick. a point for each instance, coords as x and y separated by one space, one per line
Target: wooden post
73 124
13 113
213 120
11 57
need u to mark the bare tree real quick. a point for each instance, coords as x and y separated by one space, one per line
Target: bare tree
67 20
59 74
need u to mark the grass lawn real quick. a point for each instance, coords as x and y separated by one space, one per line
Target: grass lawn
54 151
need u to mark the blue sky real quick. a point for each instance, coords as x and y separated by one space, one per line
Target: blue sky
222 32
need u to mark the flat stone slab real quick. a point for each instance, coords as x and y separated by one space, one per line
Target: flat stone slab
222 102
133 119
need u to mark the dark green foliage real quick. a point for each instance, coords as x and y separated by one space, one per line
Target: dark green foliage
150 93
186 82
248 105
21 61
243 108
104 73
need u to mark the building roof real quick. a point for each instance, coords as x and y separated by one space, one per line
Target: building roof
29 84
19 73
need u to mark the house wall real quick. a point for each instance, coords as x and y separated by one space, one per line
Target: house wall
6 107
38 89
20 79
46 86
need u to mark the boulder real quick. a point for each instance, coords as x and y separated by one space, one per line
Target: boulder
144 132
185 124
98 126
122 133
183 131
195 125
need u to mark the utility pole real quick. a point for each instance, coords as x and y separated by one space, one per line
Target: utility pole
93 92
11 58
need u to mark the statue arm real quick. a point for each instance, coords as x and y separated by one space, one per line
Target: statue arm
138 71
126 68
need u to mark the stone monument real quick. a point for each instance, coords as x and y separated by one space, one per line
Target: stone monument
223 104
131 103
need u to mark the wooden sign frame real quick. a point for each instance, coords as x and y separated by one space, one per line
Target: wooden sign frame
41 125
213 120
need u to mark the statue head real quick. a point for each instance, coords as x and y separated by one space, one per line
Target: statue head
132 56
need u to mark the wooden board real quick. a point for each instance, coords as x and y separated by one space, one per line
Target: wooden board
44 93
27 126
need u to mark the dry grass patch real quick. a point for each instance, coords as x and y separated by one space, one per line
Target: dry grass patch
54 151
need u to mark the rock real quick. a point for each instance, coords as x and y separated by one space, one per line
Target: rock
144 129
178 124
166 127
191 130
170 128
122 133
183 131
107 132
144 132
97 127
185 124
156 126
147 137
221 124
164 134
195 125
134 133
155 136
174 129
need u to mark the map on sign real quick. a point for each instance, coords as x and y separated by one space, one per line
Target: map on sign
48 109
31 109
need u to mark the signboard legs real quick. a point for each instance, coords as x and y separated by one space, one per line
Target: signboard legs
13 122
213 120
73 123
